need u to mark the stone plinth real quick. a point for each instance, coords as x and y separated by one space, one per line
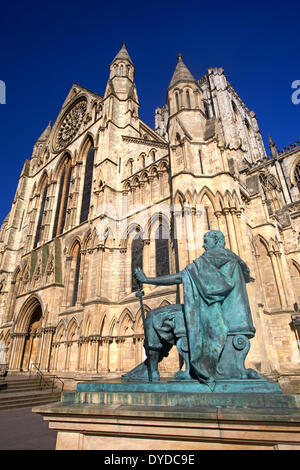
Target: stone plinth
126 416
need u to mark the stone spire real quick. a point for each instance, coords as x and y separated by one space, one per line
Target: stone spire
272 147
121 88
182 73
123 54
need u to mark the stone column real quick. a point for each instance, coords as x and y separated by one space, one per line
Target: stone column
134 194
49 332
12 351
150 179
238 221
68 345
282 276
230 230
151 259
51 205
40 335
17 351
106 343
189 231
99 364
42 348
147 263
84 354
94 356
67 287
100 249
57 347
198 230
182 260
218 215
237 232
31 336
79 354
97 347
160 182
181 247
119 341
277 278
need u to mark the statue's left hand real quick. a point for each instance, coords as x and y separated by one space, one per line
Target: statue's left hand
140 275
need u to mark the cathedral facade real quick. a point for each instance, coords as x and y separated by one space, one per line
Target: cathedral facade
104 193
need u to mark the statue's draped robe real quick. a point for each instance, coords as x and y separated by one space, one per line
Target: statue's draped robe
215 304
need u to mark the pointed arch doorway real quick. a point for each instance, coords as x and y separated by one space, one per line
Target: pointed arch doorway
27 337
32 340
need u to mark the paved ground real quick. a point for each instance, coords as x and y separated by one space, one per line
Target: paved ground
20 429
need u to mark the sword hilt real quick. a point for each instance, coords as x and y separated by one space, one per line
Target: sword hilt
139 294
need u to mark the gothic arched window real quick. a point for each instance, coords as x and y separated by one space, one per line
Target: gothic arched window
162 251
188 100
177 101
77 259
235 111
136 259
41 215
87 188
264 182
63 195
95 112
247 126
143 160
130 166
297 175
206 108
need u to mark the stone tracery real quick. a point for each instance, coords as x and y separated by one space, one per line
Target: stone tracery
70 125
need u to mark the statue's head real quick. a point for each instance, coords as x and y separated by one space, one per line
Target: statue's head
213 239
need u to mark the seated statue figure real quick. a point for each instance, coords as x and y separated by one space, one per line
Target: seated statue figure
211 330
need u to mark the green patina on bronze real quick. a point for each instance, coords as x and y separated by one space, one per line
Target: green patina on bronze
212 329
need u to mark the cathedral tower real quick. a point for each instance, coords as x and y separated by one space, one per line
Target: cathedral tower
68 250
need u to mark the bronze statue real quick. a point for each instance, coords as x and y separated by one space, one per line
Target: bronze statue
211 330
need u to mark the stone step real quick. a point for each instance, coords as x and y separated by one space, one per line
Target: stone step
24 382
29 403
15 400
36 386
20 378
26 388
23 391
28 394
18 382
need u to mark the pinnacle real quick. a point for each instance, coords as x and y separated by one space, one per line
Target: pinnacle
46 132
182 73
123 54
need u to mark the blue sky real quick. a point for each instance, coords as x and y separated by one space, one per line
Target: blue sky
48 46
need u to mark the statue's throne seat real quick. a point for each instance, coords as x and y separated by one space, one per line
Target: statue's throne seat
231 363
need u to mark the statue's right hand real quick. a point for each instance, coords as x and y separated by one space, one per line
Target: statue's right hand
140 275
